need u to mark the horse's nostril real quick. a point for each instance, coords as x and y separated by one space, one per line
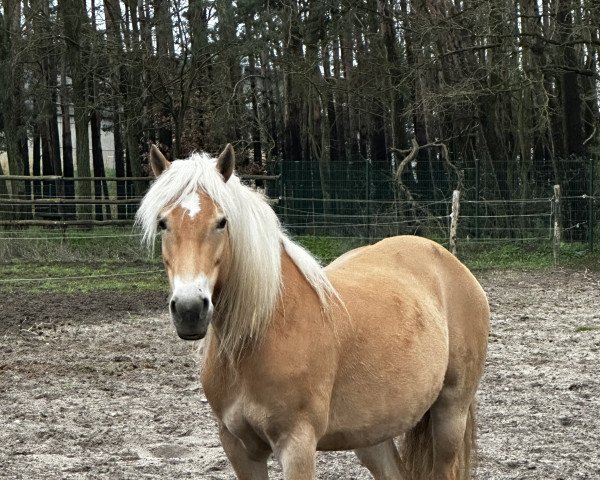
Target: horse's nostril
172 305
205 303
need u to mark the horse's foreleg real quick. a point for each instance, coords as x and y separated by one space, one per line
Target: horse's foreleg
296 452
382 460
246 467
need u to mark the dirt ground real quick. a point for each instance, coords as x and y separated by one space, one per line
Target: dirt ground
99 386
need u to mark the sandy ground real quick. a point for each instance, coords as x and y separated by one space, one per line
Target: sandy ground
102 388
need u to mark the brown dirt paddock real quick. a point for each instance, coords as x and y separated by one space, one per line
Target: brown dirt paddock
98 386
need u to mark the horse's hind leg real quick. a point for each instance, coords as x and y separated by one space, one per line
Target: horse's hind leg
245 466
452 429
382 460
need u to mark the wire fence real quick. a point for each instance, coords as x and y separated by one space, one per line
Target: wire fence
50 226
480 221
506 219
498 203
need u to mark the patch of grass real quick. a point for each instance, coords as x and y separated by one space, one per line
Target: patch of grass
493 255
577 255
78 260
587 328
75 245
327 249
528 256
112 259
479 255
475 255
82 277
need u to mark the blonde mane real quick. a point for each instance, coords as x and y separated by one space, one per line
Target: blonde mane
252 290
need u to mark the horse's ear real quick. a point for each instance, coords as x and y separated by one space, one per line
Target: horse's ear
158 162
226 162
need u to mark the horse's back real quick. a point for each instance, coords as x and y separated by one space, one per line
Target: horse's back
411 264
404 253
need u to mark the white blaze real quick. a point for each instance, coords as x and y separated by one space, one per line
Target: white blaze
192 204
185 286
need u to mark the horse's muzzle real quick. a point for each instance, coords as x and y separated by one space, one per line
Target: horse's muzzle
191 315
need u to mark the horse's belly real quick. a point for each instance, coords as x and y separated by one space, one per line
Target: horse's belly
359 436
385 386
369 418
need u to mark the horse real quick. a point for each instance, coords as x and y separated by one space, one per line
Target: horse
381 352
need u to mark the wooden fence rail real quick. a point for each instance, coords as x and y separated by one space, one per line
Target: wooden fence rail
69 201
114 179
64 223
46 209
74 179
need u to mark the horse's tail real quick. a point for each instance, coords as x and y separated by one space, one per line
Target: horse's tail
417 449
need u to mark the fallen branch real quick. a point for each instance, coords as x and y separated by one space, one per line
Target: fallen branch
412 153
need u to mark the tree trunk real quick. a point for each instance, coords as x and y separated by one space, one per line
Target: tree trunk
573 164
317 100
76 29
11 98
100 186
227 73
427 179
67 142
37 162
133 104
339 165
165 44
114 45
255 122
294 179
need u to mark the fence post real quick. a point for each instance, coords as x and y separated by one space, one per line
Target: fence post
557 225
476 197
369 219
454 220
591 194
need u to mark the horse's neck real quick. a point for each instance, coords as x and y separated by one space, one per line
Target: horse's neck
295 287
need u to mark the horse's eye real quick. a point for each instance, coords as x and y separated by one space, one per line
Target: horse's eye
222 223
162 225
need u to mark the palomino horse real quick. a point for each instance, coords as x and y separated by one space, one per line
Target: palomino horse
388 341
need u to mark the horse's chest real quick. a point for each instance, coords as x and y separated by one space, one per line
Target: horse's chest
243 421
229 403
235 419
221 393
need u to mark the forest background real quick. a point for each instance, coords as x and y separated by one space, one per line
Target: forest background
355 107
